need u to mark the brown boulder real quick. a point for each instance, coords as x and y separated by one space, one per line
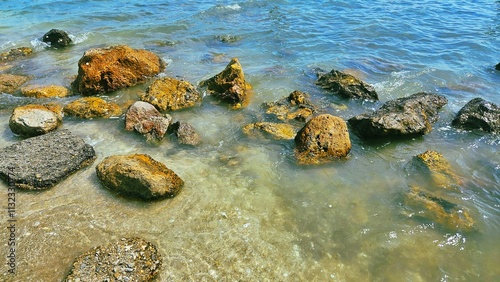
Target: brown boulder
33 120
230 85
147 120
49 91
92 107
171 94
346 85
278 131
108 69
322 139
9 83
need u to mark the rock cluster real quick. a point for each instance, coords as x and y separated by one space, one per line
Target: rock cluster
297 106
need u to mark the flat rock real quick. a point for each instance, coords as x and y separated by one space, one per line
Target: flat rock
171 94
346 85
277 131
10 83
33 120
479 114
103 70
41 162
128 259
436 168
44 91
92 107
147 120
15 54
412 115
57 38
138 175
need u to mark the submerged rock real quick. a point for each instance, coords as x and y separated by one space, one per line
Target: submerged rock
57 38
10 83
171 94
346 85
33 120
49 91
438 168
128 259
322 139
479 114
138 175
15 54
412 115
278 131
297 106
230 85
104 70
41 162
186 134
92 107
147 120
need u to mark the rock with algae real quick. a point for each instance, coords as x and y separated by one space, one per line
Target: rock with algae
296 106
346 85
438 168
171 94
278 131
92 107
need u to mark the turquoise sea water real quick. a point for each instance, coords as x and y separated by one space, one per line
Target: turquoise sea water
247 211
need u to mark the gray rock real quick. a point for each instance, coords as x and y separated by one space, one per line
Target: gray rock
147 120
186 134
33 120
41 162
346 85
412 115
479 114
128 259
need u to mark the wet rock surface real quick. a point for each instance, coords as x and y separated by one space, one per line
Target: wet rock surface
138 175
186 134
479 114
437 168
128 259
40 91
346 85
323 138
57 38
41 162
33 120
104 70
147 120
412 115
15 54
92 107
230 85
278 131
297 106
171 94
10 83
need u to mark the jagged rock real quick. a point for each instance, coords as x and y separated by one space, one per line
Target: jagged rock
435 166
186 134
346 85
57 38
9 83
15 54
49 91
138 175
451 216
297 106
230 85
412 115
104 70
33 120
278 131
479 114
92 107
41 162
171 94
147 120
323 138
128 259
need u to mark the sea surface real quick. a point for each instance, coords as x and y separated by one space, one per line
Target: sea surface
247 211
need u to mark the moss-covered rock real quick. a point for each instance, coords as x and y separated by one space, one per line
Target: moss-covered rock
346 85
171 94
296 106
92 107
49 91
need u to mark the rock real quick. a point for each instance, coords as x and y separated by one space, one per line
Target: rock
49 91
41 162
138 175
323 138
278 131
92 107
171 94
435 166
346 85
104 70
479 114
15 54
9 83
412 115
297 106
128 259
186 134
230 85
147 120
451 216
497 67
33 120
57 38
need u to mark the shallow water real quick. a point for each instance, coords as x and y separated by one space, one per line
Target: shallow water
247 211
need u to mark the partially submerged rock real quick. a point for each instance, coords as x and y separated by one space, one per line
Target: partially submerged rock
230 85
15 54
92 107
10 83
323 138
47 91
171 94
104 70
57 38
138 175
186 134
412 115
497 67
346 85
41 162
147 120
297 106
479 114
33 120
438 169
278 131
128 259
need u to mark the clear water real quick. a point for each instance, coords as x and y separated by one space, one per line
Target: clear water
247 211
